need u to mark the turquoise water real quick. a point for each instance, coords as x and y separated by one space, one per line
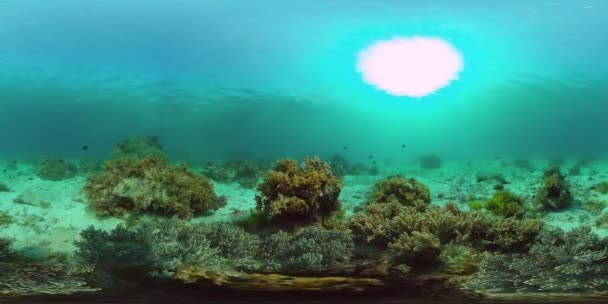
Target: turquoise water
259 81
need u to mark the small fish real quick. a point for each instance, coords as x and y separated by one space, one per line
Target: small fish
371 156
85 147
497 157
13 161
4 171
345 148
403 146
374 162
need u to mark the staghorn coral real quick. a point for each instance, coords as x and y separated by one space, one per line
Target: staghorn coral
293 194
55 169
554 193
382 224
418 249
309 250
137 148
150 185
405 191
574 261
430 161
459 259
511 234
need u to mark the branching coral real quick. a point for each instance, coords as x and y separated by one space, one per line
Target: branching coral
511 234
55 169
309 250
299 194
405 191
150 185
162 246
459 259
138 147
576 261
554 193
420 248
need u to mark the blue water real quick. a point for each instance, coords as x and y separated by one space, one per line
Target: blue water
247 79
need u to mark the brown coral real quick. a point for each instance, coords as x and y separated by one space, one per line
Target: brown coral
295 194
405 191
152 185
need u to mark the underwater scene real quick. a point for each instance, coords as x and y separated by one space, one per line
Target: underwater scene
345 151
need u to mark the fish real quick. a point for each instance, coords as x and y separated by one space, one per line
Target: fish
85 147
374 162
345 148
371 156
403 146
497 157
13 161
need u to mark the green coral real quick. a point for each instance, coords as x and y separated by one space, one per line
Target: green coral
554 194
504 203
150 185
55 169
137 148
294 194
309 250
405 191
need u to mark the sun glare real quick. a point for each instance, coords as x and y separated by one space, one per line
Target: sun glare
410 66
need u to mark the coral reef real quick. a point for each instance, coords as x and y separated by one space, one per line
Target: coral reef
55 169
430 161
405 191
554 194
18 279
309 250
594 207
5 248
216 172
459 259
601 187
574 261
162 246
137 148
150 185
294 194
418 249
247 175
4 188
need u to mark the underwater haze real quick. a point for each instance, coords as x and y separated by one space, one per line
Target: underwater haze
240 79
289 151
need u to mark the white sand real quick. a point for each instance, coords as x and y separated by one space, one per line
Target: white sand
57 211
